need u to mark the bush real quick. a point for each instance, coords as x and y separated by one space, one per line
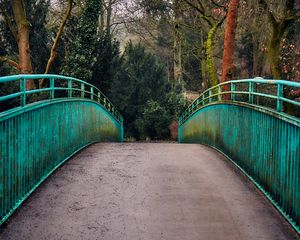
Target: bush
143 95
154 121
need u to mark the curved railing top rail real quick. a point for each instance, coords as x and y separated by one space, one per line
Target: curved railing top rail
74 88
227 91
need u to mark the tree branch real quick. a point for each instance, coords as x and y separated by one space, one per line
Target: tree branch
10 62
219 5
204 16
53 53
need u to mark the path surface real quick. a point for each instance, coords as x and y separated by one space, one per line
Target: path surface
148 192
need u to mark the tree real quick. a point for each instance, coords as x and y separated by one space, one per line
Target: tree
107 64
279 28
139 85
154 121
214 16
80 56
177 40
53 53
20 31
229 43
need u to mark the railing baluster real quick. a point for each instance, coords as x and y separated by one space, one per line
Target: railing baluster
70 86
82 90
279 95
219 93
108 106
52 88
23 91
92 93
99 96
232 86
209 96
251 90
104 102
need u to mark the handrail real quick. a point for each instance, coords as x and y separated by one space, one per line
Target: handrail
94 93
207 97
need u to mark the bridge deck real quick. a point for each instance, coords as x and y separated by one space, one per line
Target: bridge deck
147 191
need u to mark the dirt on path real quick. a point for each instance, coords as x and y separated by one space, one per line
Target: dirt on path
147 191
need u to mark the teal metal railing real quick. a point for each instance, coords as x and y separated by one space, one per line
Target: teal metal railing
55 84
250 127
38 136
217 93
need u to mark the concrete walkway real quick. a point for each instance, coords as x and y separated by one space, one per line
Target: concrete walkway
148 192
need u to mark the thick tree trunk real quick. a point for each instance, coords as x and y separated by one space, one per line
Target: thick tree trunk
274 50
229 45
278 29
177 48
23 40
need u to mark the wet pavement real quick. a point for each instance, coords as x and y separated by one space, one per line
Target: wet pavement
147 191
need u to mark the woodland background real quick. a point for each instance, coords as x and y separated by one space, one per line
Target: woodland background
150 57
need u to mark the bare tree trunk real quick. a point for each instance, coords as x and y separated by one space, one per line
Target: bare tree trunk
23 40
102 20
53 53
168 72
229 44
177 48
108 17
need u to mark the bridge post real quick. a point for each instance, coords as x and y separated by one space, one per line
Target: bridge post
92 93
82 90
251 90
209 96
52 88
279 96
232 92
23 91
99 96
69 88
219 93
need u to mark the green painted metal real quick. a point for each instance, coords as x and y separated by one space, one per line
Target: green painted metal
37 138
263 142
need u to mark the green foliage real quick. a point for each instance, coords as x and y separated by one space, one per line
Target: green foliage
107 63
155 7
39 36
154 121
80 54
143 95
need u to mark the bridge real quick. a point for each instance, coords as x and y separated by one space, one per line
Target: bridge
65 173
